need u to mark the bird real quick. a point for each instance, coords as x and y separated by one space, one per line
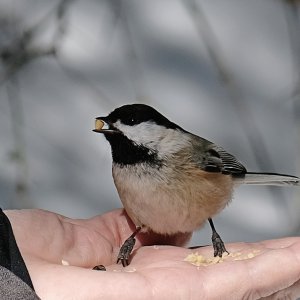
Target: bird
169 180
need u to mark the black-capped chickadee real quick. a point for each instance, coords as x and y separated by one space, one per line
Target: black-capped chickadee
169 180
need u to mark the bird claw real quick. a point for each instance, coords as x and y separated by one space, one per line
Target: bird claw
125 251
218 244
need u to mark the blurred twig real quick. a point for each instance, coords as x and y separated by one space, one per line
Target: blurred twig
81 79
115 7
23 50
14 57
75 75
62 21
122 15
18 155
132 53
291 9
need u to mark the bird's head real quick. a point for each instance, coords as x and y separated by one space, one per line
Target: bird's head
139 131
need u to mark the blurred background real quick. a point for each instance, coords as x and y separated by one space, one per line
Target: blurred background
228 71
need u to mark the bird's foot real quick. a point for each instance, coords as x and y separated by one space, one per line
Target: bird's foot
126 248
125 251
218 244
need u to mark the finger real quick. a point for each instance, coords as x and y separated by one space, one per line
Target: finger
292 292
282 265
280 243
261 276
42 228
98 240
59 239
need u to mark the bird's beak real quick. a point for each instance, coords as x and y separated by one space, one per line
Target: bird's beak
101 126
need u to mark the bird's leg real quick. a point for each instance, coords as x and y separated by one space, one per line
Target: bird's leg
218 244
126 248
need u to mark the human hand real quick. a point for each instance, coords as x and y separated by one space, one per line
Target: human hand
46 239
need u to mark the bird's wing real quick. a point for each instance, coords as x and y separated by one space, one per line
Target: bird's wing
216 159
230 164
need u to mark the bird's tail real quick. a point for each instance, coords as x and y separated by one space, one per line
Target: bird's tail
268 179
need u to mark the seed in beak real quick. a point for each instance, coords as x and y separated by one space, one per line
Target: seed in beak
98 124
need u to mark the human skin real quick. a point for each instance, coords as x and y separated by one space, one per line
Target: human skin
47 239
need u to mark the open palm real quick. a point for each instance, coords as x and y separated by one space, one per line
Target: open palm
60 253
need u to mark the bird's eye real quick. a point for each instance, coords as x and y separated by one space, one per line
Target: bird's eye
131 121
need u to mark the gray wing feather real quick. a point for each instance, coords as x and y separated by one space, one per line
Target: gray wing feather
219 160
212 158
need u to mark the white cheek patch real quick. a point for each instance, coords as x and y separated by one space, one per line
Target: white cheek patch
164 141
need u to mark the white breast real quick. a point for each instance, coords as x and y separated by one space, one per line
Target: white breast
170 204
